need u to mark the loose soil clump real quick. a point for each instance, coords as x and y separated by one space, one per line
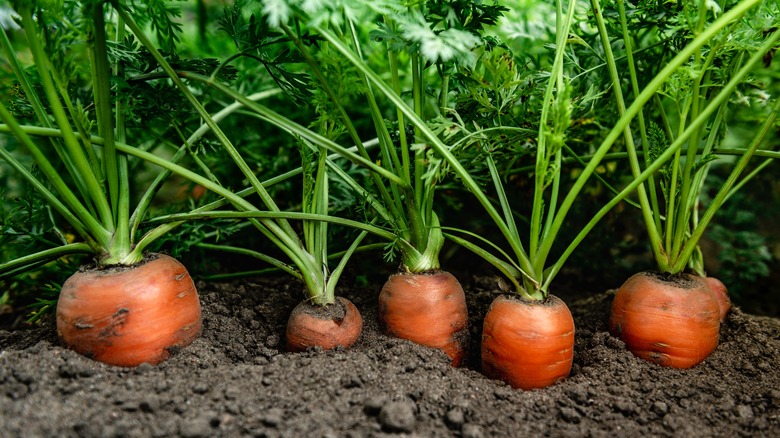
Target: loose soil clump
236 380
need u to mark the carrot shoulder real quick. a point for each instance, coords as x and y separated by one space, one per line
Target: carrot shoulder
721 294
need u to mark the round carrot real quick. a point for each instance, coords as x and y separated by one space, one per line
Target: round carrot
721 294
669 320
127 316
426 308
326 326
528 344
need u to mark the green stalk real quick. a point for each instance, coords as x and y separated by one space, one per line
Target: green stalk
115 166
24 81
20 264
291 215
409 203
426 132
280 232
652 188
507 267
70 207
692 241
390 157
333 280
39 110
74 151
687 197
278 264
649 212
50 197
103 113
294 128
631 112
509 218
124 222
282 227
672 150
320 206
418 106
315 68
290 245
747 178
148 197
542 154
395 81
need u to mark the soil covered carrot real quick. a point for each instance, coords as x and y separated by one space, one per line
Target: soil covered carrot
671 320
528 344
328 326
427 308
127 316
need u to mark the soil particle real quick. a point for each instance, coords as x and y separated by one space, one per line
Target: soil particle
472 431
195 428
398 416
236 381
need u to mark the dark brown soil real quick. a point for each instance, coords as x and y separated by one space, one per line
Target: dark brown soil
235 381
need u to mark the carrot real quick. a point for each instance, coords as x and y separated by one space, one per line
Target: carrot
326 326
669 320
426 308
528 344
721 294
127 316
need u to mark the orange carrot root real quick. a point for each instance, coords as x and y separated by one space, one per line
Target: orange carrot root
671 321
528 344
428 309
327 327
129 316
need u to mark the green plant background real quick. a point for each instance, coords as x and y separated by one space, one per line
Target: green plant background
504 88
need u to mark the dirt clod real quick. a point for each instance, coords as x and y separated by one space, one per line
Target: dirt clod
398 416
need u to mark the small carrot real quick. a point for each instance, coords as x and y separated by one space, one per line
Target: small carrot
721 294
426 308
325 326
669 320
126 316
528 344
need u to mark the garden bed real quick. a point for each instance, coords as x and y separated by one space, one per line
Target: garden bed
235 381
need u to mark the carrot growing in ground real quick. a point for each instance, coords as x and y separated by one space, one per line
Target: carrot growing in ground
134 304
522 275
128 308
671 320
528 269
671 317
322 319
528 344
421 302
427 308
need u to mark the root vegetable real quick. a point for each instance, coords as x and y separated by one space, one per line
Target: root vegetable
429 309
127 316
528 344
669 320
326 326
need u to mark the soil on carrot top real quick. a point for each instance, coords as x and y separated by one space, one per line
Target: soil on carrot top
235 380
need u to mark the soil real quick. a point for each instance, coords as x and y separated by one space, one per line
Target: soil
235 380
